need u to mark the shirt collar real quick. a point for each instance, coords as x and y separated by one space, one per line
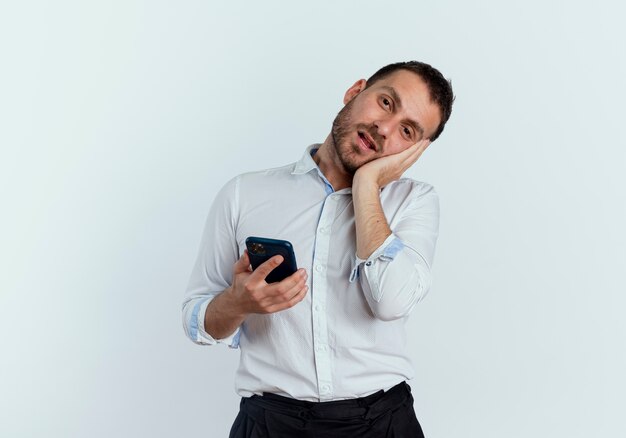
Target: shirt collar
306 163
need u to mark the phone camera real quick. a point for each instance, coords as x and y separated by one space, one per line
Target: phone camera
257 249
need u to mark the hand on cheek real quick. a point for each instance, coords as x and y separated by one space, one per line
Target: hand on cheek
386 169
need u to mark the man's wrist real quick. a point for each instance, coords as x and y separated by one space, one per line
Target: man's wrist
363 184
223 315
232 306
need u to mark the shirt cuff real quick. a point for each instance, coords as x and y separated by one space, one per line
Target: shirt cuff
387 251
197 321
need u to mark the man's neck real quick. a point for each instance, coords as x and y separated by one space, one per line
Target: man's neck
329 163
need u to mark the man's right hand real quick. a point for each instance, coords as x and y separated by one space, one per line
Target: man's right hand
252 294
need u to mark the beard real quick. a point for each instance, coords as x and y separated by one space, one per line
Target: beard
346 151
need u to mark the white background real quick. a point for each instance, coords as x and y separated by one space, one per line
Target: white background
121 119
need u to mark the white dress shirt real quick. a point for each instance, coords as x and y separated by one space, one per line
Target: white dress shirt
347 337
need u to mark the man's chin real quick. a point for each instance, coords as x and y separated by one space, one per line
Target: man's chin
351 167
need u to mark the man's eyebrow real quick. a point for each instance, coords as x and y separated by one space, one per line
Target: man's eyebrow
396 97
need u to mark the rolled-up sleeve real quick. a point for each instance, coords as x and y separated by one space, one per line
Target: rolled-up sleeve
398 273
213 270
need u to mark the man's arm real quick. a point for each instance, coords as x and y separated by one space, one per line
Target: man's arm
213 269
249 293
394 267
372 228
223 290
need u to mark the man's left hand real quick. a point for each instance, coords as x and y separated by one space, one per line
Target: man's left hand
384 170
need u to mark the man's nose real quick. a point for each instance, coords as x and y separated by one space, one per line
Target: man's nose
383 128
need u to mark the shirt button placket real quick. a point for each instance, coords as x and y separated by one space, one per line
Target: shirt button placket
320 290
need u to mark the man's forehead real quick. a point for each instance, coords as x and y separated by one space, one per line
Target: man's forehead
402 80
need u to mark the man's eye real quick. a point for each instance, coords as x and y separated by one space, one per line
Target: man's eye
386 102
407 132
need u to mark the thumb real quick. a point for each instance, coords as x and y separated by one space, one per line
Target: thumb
243 264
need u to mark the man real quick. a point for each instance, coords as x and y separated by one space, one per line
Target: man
323 351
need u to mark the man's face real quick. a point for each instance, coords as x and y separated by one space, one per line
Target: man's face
384 119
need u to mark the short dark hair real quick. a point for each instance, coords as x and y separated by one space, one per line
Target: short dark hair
440 88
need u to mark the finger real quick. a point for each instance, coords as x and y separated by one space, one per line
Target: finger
424 144
410 155
401 159
264 269
295 291
243 264
414 152
411 149
285 289
295 299
420 147
298 296
296 279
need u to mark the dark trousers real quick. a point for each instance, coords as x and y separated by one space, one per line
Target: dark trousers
380 415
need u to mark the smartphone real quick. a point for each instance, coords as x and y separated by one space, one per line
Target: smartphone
261 249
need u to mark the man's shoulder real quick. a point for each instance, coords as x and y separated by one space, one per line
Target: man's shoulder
415 187
256 180
254 183
281 171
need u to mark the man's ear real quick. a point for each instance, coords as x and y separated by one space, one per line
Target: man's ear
354 90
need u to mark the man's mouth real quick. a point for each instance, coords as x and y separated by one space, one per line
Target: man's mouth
367 141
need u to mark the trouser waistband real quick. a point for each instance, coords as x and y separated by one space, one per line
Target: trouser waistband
368 407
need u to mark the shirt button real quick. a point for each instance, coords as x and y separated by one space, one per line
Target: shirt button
319 268
326 388
318 307
323 230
